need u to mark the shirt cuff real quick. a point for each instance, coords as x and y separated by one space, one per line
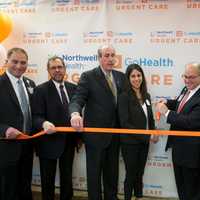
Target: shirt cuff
75 114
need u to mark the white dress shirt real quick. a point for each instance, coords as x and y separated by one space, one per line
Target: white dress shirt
58 90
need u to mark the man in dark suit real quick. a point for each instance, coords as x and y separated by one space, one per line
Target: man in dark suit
16 158
50 109
184 114
97 91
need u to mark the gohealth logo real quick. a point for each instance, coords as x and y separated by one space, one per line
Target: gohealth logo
150 62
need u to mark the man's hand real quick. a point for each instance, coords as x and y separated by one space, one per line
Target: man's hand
48 127
161 107
162 101
12 133
76 121
154 138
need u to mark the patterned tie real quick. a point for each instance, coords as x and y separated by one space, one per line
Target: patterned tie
183 101
64 98
111 85
24 107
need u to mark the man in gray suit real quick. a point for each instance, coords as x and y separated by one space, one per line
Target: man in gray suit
97 91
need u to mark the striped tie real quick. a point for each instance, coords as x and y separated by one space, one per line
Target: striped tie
111 85
183 101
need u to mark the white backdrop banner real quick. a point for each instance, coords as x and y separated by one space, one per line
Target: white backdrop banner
160 35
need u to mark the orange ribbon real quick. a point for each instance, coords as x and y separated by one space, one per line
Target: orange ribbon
23 136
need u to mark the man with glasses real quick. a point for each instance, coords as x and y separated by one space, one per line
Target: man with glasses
50 109
183 114
16 158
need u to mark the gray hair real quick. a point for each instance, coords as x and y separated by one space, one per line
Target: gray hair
100 49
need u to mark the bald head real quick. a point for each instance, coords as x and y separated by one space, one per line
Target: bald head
192 75
194 65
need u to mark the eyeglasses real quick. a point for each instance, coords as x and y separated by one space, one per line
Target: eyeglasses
189 77
59 67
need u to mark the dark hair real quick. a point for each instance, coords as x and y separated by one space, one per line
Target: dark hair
16 50
143 87
55 58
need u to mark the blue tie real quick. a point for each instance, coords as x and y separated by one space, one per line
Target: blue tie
24 107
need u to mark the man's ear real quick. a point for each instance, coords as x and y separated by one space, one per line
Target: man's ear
6 63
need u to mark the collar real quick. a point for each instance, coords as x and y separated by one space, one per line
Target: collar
13 78
106 73
58 84
194 90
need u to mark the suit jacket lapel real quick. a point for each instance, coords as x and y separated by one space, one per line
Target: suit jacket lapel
29 89
54 93
149 111
102 80
117 81
147 118
69 91
180 97
195 97
10 90
133 96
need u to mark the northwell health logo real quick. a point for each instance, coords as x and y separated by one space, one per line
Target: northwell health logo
79 61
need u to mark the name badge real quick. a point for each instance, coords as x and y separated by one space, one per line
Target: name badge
180 98
147 102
